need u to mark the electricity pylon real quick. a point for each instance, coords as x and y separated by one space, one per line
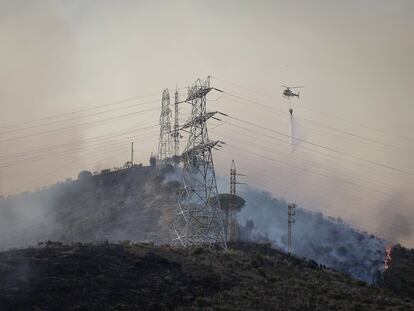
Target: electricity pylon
164 145
232 225
199 219
176 133
291 220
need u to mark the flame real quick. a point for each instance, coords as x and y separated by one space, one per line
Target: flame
388 258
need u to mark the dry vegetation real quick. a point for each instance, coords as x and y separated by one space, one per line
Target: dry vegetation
400 276
145 277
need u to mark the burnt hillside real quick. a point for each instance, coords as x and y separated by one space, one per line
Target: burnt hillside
128 204
138 204
144 277
399 277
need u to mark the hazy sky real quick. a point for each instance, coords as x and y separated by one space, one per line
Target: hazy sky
355 59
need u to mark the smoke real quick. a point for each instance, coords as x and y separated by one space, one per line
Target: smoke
328 241
173 175
131 204
27 218
395 219
38 66
138 204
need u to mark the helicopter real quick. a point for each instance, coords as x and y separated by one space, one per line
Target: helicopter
288 92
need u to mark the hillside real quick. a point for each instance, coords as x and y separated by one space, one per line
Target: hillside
145 277
399 277
327 240
138 204
128 204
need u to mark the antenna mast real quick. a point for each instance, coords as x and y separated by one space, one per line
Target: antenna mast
199 219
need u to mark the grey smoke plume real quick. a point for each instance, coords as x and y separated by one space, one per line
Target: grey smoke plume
395 220
326 240
130 204
137 204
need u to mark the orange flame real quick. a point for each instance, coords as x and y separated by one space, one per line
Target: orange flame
388 258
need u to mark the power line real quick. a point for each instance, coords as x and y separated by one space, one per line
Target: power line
82 110
80 124
313 163
317 188
408 156
71 151
359 165
60 168
75 118
305 169
367 139
75 143
318 111
262 135
324 147
288 186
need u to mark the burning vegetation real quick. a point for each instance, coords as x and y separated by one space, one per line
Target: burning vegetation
126 276
138 204
388 257
398 275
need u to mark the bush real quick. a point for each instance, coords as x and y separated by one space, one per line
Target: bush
198 251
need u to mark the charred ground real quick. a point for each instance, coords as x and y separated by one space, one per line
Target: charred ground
399 277
145 277
139 203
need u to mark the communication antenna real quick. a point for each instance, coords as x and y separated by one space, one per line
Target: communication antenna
291 220
199 219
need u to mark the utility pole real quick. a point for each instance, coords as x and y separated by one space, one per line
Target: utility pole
164 146
291 220
132 154
232 225
230 221
176 132
199 219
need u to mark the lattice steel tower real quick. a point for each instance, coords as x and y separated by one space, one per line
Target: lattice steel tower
176 133
291 220
232 228
164 145
199 219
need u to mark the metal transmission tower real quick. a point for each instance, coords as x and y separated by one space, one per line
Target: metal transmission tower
232 226
291 220
164 145
199 219
176 132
